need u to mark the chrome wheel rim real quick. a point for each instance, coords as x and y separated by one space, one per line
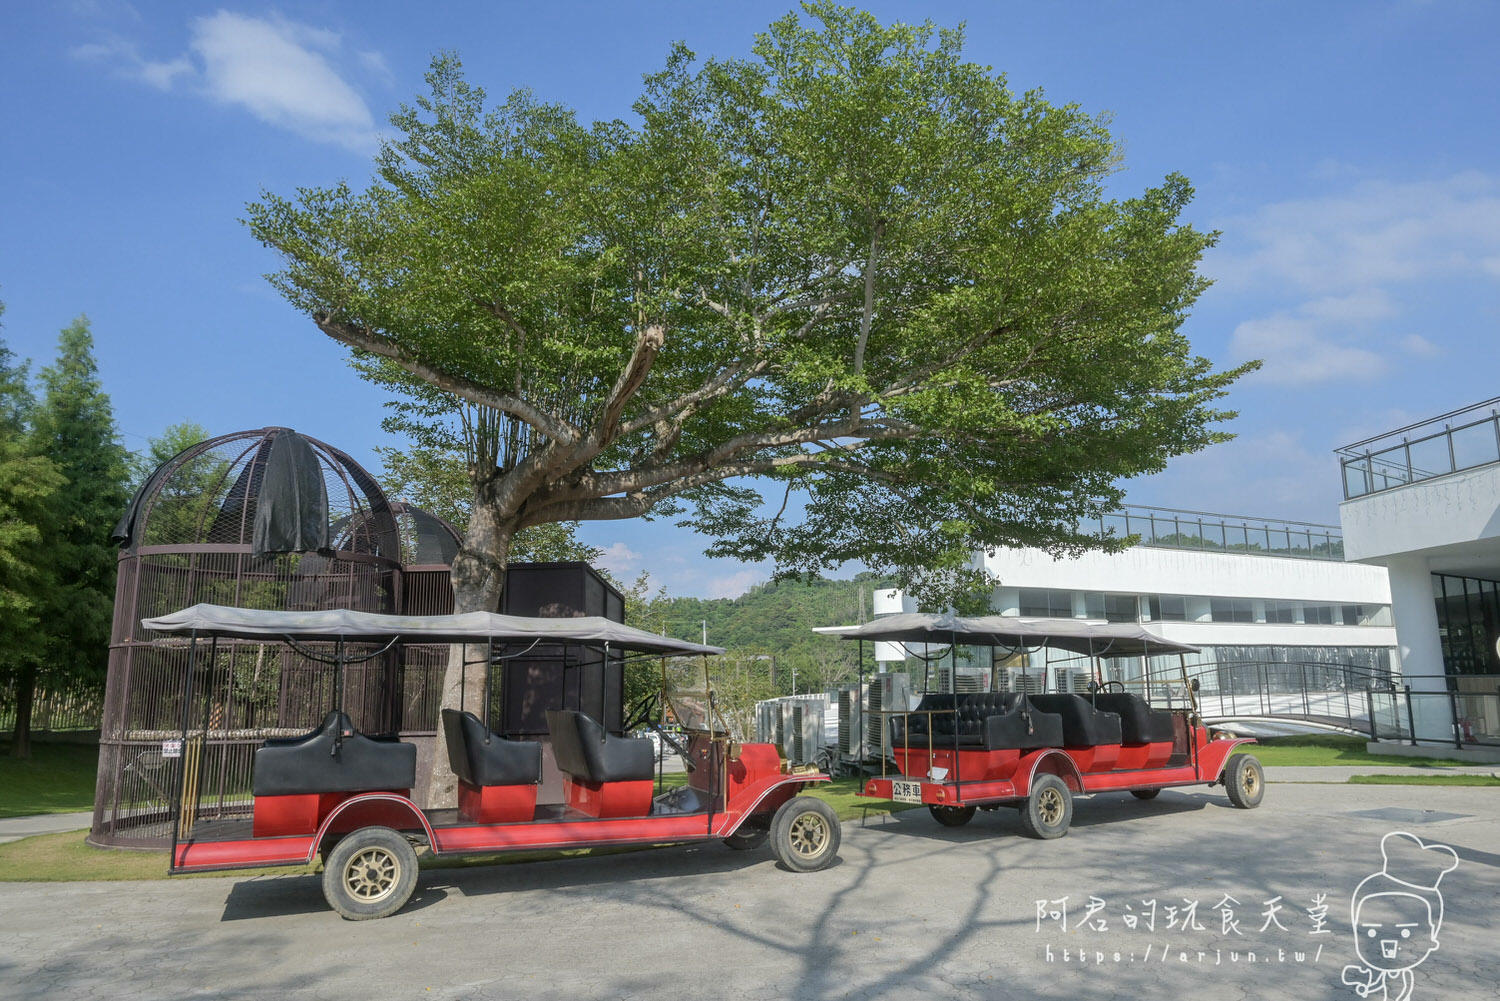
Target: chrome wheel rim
1049 807
808 835
372 875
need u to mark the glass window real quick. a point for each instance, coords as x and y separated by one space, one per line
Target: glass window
1093 605
1168 608
1281 611
1121 607
1318 614
1231 610
1046 603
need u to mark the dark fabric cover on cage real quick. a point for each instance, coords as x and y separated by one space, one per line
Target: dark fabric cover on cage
434 541
322 762
291 506
584 751
1139 723
124 531
992 721
482 758
1082 724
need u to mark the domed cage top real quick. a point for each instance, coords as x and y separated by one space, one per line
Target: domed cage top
265 519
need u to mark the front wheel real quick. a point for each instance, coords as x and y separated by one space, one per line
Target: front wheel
805 834
951 816
1145 793
371 873
1245 781
1048 811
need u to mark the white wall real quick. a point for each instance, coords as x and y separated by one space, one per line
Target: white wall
1147 570
1447 511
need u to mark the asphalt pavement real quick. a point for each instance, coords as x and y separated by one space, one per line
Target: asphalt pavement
1241 904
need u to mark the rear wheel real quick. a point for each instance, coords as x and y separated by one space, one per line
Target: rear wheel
951 816
751 834
1245 781
371 873
805 834
1145 793
1048 811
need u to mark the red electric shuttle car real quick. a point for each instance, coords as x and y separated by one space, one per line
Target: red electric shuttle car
344 796
957 752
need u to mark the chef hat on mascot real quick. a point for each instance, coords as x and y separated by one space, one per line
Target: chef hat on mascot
1410 867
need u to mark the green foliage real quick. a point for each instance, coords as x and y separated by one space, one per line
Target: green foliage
29 483
75 429
853 267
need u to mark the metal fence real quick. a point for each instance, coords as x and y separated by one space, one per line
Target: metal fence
1457 440
68 711
1170 528
1398 714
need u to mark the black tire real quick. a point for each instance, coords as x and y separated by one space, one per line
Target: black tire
805 834
951 816
371 873
1245 781
751 834
1048 811
1145 793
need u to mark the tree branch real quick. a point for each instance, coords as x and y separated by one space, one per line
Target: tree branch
363 339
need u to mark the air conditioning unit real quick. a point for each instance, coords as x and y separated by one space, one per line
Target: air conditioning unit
888 692
965 679
802 721
851 717
1032 681
1074 681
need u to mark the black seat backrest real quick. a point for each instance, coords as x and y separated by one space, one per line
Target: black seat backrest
1139 723
332 758
583 749
1082 724
482 758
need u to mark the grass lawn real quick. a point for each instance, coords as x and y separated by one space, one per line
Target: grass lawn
57 778
1426 780
65 857
1330 749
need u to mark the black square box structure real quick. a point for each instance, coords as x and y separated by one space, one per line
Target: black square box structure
525 686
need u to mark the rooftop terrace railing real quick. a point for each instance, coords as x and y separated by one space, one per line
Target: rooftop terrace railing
1170 528
1449 443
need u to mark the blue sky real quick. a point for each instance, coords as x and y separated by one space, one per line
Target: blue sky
1349 152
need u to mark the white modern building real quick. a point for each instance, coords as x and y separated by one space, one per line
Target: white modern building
1423 503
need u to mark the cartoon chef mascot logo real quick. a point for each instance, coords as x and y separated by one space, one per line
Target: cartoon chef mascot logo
1396 914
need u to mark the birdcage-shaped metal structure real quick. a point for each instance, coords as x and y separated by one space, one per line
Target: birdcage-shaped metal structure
257 519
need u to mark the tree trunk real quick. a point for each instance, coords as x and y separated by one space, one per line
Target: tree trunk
478 578
20 738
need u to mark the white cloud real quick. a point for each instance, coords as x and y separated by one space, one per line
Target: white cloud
1420 346
282 72
619 559
1317 341
735 584
1373 233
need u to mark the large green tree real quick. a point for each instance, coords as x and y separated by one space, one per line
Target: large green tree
28 483
853 267
74 427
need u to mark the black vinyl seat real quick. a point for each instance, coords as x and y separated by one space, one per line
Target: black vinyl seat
1082 724
482 758
991 721
332 758
1139 723
584 751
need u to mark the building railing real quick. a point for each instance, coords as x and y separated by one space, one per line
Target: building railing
1394 713
1452 442
1171 528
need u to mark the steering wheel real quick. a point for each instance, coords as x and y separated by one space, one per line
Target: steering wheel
1107 686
